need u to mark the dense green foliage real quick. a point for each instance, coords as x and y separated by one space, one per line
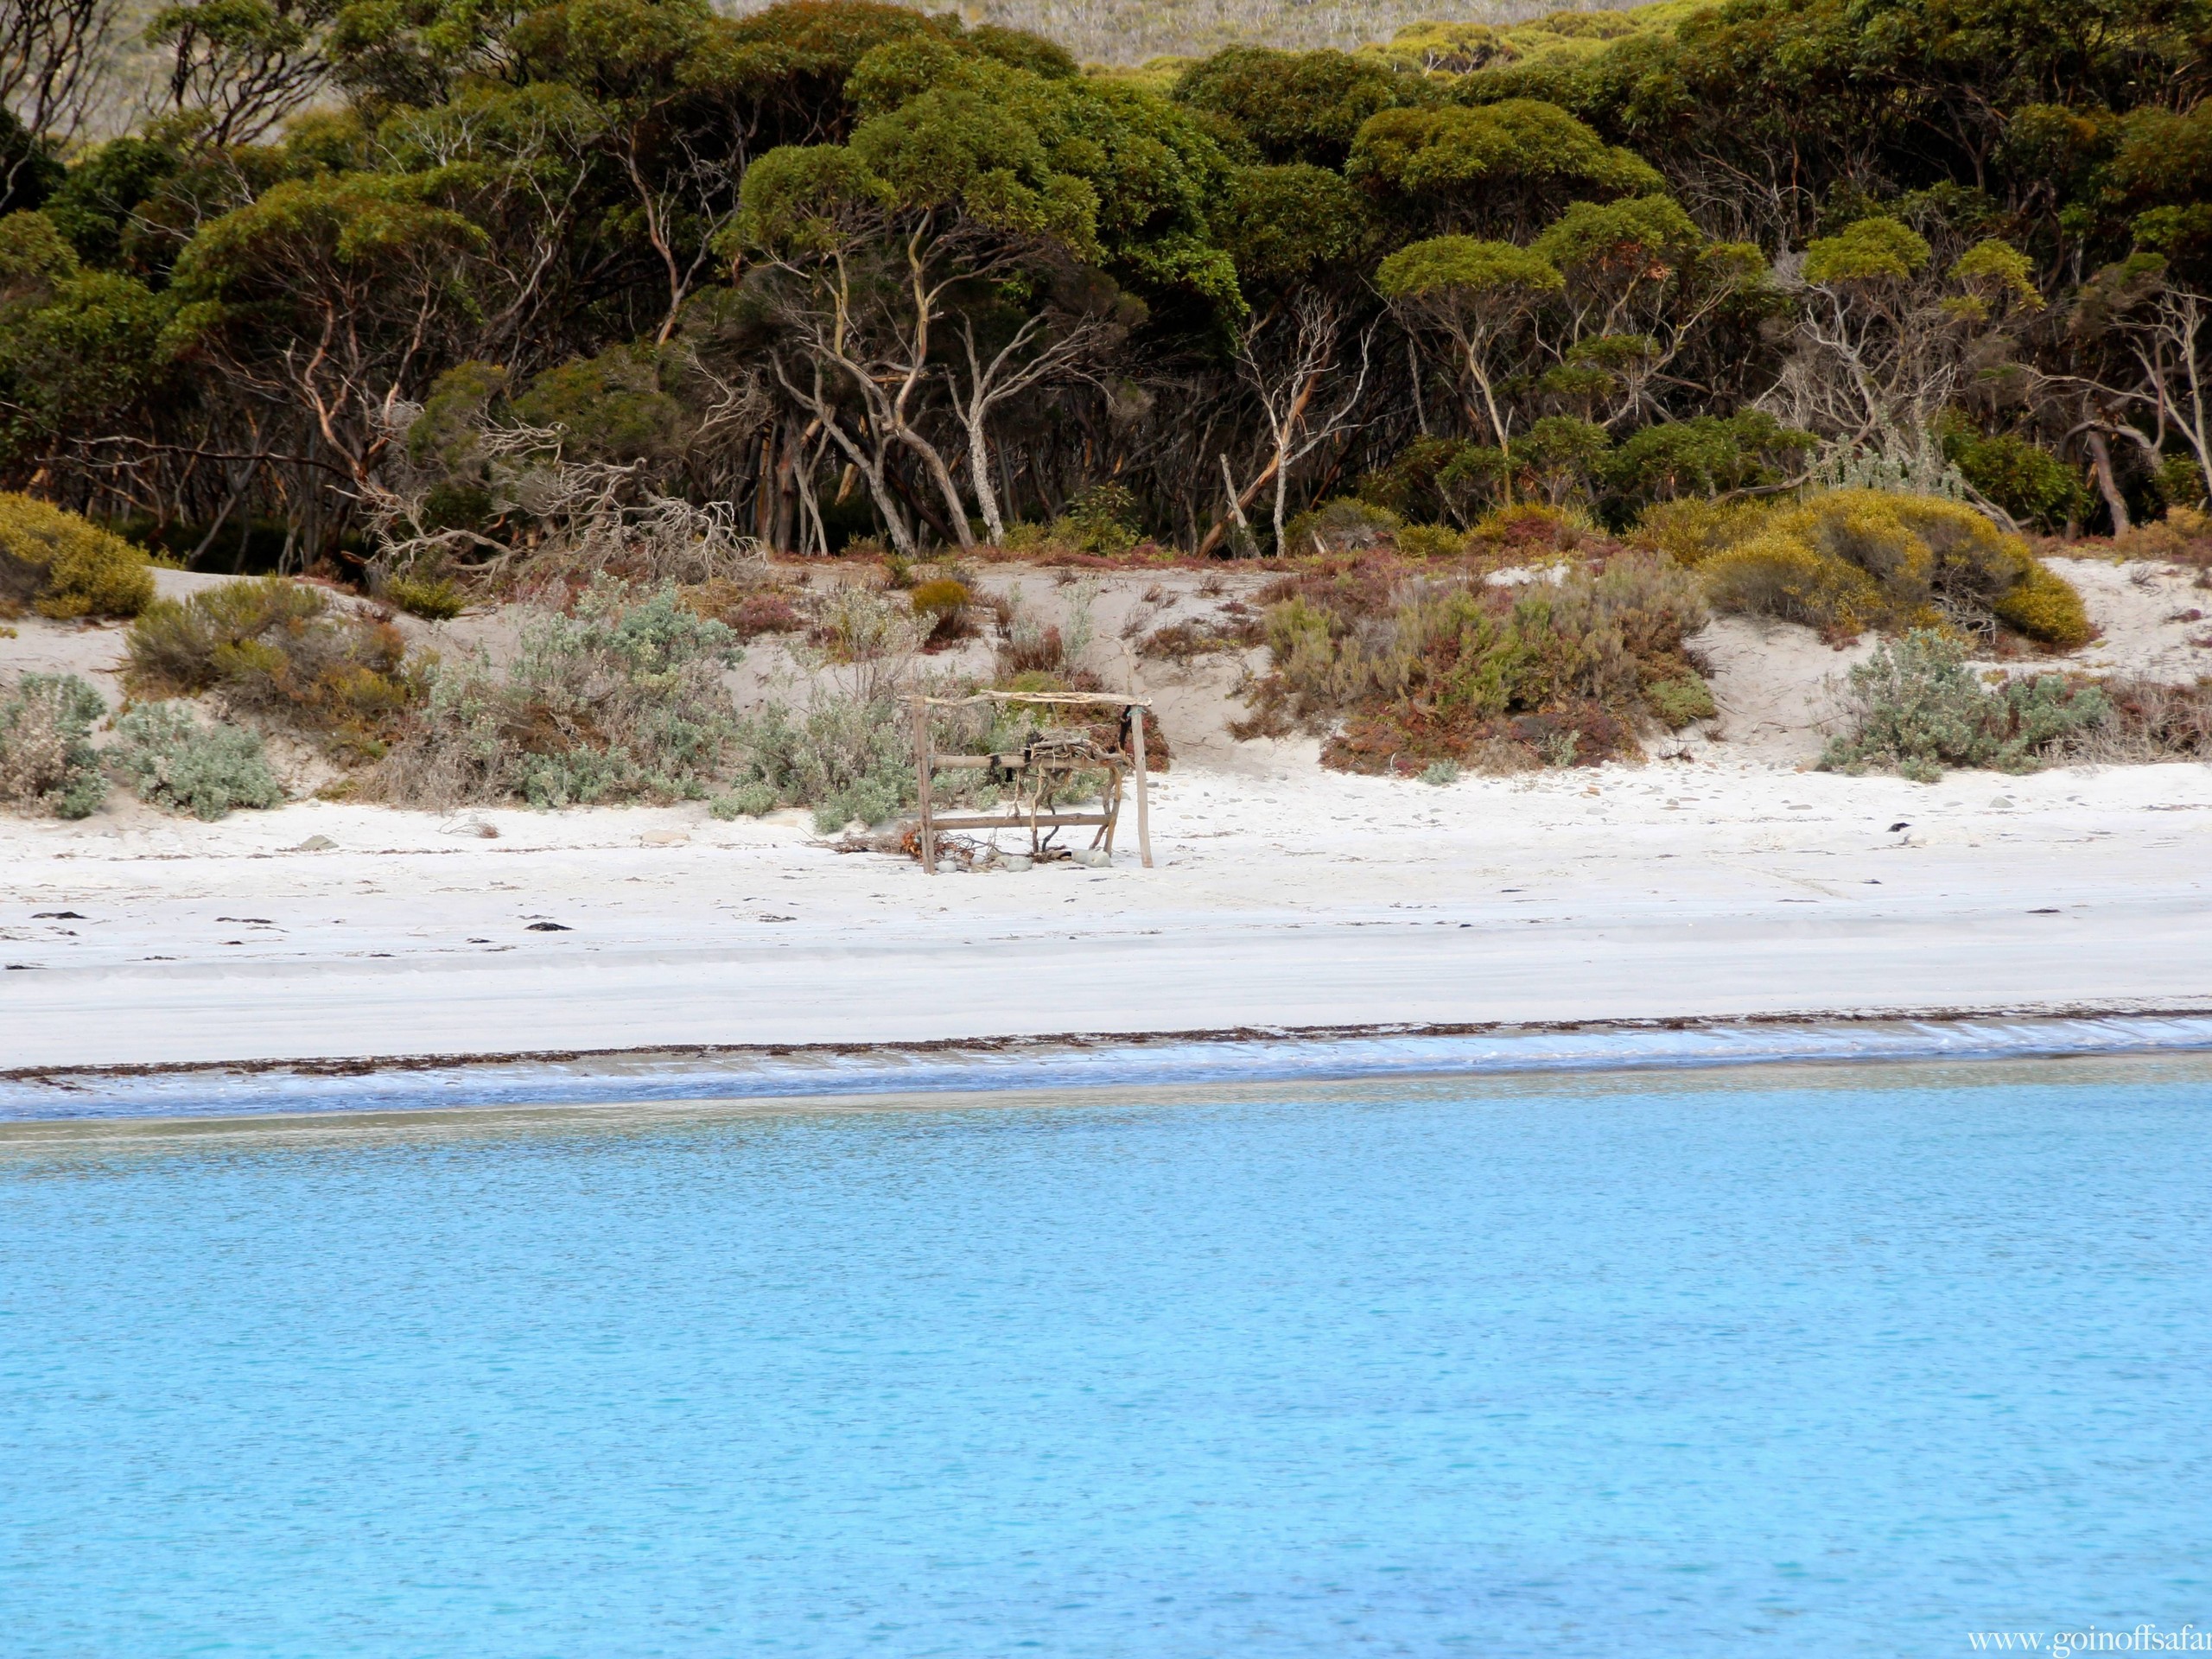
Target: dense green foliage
416 283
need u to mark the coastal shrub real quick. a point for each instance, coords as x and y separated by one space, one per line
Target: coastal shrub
434 598
63 565
1678 703
2183 536
1102 519
2031 484
279 654
170 760
871 632
1347 524
1437 481
1696 459
1399 671
2180 479
1917 708
1845 561
845 757
46 760
940 605
2043 606
1525 531
748 800
1431 541
1691 530
2150 721
748 610
621 699
1778 575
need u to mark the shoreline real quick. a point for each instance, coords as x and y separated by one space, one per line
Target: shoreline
820 1074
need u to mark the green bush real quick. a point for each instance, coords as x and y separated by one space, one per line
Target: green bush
940 596
1706 455
63 565
1101 519
280 653
1347 524
1401 672
2181 481
749 800
1431 541
1691 530
1917 708
2043 606
171 760
2031 484
434 600
1530 530
846 757
1679 702
47 762
850 757
1437 481
940 605
620 701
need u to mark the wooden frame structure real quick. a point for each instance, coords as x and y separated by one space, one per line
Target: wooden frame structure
1038 759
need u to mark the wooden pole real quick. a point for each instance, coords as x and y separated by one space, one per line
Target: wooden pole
924 763
1144 816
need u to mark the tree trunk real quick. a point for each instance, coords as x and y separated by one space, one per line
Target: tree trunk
979 474
2100 460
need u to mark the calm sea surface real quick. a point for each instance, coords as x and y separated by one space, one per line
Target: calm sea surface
1845 1361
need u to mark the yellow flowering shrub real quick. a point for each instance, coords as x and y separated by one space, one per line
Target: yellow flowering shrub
1845 561
64 565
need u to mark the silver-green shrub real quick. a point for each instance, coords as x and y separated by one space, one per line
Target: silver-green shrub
621 700
171 760
853 757
846 757
1918 707
48 763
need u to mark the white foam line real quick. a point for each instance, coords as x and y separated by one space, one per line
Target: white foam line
1073 1064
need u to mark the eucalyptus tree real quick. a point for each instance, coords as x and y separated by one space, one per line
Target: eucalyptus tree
330 295
1479 295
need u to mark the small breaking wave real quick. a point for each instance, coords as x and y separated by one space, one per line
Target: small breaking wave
1073 1062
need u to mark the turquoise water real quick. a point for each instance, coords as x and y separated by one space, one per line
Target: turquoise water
1852 1361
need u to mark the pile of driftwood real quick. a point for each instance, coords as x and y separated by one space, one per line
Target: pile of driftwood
1037 771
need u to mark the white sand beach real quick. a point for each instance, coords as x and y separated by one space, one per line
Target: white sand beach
1288 897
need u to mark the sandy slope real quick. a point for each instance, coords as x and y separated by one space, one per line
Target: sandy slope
1721 882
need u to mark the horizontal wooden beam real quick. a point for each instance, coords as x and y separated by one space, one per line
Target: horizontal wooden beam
1093 699
1058 821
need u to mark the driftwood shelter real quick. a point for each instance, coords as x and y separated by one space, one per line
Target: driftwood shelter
1033 768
